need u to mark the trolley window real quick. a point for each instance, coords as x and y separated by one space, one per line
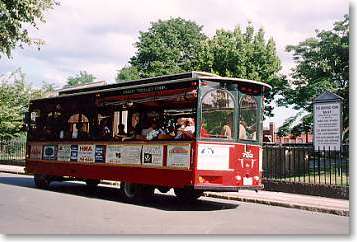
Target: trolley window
217 115
248 120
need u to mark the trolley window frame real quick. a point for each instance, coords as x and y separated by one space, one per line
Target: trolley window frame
206 86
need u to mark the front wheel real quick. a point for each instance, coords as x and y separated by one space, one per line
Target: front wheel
187 194
42 181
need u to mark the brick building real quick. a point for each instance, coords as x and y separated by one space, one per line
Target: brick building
270 136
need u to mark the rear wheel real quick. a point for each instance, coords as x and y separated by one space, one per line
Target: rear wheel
187 194
42 181
136 192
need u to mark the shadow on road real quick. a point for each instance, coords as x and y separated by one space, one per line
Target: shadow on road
111 193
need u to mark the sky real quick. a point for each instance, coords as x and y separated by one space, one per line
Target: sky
99 36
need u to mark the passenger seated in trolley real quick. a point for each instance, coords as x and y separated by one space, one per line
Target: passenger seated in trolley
154 131
203 130
242 131
121 132
169 133
226 129
104 130
134 132
247 132
186 129
82 132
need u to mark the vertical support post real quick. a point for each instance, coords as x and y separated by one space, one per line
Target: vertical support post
294 166
330 168
324 165
318 164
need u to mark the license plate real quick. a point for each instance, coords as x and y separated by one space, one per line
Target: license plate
247 181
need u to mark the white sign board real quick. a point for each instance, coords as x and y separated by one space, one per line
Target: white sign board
49 152
114 154
36 152
86 153
124 154
152 155
327 126
179 156
213 157
64 152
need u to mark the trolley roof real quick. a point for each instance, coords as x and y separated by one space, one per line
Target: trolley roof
166 79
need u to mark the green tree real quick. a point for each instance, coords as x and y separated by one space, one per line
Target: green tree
322 65
178 45
82 78
168 47
16 16
47 89
127 73
15 95
244 54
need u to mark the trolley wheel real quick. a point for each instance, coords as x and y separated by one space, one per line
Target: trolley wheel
91 183
136 192
187 194
42 181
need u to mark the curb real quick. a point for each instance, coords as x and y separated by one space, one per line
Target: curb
340 212
113 183
15 172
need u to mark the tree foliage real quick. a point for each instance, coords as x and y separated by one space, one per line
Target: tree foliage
82 78
15 95
244 54
168 47
178 45
127 73
322 65
16 16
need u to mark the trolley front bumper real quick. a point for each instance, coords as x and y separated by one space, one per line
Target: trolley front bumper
226 188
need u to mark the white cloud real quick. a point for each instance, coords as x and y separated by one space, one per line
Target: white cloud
93 34
99 36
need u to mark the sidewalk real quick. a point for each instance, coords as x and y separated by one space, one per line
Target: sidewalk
305 202
289 200
12 169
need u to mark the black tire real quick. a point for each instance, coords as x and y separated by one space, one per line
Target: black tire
42 181
133 192
129 190
187 194
92 184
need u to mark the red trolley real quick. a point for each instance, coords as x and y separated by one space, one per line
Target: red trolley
192 132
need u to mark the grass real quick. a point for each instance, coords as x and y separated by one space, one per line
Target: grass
322 178
7 156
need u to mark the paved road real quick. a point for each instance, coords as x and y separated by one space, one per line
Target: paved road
68 208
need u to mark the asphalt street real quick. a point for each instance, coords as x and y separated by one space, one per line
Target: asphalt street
69 208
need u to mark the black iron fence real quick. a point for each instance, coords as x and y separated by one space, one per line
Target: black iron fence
301 163
13 151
